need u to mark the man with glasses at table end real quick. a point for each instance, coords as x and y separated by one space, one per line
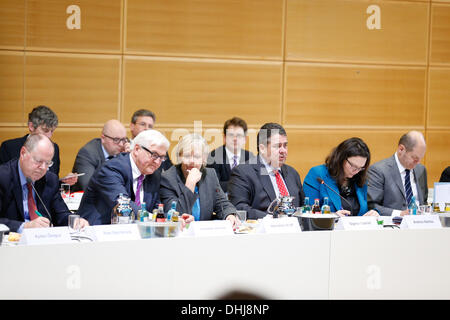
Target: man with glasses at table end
144 119
345 176
134 174
27 180
93 154
395 180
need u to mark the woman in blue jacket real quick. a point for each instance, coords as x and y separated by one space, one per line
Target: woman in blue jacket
344 171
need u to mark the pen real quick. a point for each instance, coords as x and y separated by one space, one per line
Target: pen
38 213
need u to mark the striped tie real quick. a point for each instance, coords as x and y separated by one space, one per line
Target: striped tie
138 190
408 190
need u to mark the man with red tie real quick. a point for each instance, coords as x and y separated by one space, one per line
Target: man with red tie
27 180
253 186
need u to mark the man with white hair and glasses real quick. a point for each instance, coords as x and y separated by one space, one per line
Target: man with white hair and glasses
134 174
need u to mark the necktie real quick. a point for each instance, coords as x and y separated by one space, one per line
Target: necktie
138 190
196 207
280 184
31 204
408 190
234 161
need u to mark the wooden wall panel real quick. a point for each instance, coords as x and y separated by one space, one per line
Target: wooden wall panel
82 89
350 95
12 24
309 148
211 91
7 133
11 88
438 155
100 25
440 30
439 98
328 30
233 28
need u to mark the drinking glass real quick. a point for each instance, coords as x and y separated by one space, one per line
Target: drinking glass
74 223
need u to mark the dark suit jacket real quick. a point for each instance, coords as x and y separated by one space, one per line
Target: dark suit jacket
445 176
385 190
219 161
89 158
250 188
10 149
11 201
113 178
212 198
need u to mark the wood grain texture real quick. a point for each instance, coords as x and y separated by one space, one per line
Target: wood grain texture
233 28
327 30
12 24
440 30
439 98
11 88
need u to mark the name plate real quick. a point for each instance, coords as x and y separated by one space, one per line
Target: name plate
358 223
115 232
34 236
279 225
209 228
421 222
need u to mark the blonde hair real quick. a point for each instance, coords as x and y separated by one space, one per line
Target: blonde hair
189 141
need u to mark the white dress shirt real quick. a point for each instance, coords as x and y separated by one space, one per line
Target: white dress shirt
402 171
136 174
271 170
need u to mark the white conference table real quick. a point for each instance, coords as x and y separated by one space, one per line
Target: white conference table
376 264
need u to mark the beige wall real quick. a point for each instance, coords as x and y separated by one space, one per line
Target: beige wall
316 66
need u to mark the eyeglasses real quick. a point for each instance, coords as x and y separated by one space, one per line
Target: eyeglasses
355 168
154 155
42 162
118 140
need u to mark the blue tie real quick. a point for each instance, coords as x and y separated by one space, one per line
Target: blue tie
408 190
196 207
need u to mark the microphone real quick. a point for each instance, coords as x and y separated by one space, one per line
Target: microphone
39 197
323 182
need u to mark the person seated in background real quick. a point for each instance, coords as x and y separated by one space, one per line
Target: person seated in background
445 176
93 154
231 154
194 187
144 119
345 172
395 180
20 206
44 121
134 174
253 186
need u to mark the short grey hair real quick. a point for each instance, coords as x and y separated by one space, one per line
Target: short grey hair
150 137
34 139
43 116
191 140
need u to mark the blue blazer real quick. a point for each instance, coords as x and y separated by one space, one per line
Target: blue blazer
11 200
314 190
113 178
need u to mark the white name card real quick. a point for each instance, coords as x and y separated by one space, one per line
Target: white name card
279 225
115 232
421 222
358 223
209 228
35 236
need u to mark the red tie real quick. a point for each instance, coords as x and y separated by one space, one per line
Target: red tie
31 203
281 186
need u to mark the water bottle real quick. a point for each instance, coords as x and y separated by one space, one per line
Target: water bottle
325 207
316 206
306 206
172 210
412 208
122 211
143 214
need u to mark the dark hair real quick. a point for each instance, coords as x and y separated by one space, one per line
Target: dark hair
142 113
352 147
267 130
235 121
42 115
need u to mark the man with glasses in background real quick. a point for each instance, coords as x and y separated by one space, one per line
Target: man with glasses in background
134 175
395 180
94 153
27 180
144 119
